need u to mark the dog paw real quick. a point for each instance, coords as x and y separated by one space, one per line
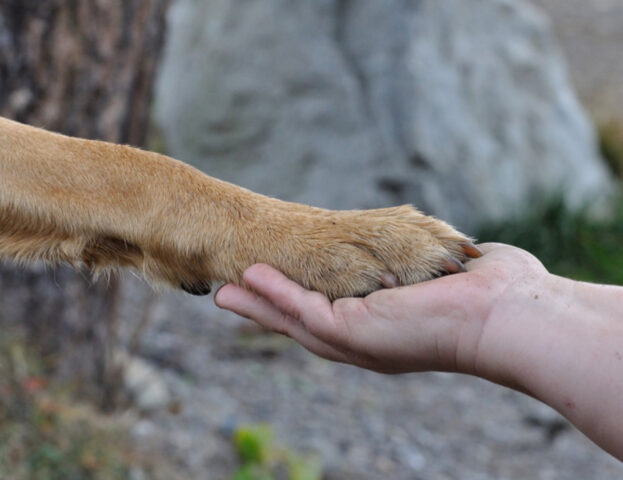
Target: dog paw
337 253
353 253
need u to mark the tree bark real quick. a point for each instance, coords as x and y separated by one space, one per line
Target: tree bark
84 68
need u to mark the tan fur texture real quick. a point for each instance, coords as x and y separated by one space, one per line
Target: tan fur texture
102 205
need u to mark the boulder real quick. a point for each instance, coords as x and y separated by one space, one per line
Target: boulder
463 109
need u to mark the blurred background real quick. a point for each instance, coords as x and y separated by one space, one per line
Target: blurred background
503 117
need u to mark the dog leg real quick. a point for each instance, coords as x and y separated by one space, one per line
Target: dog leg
87 202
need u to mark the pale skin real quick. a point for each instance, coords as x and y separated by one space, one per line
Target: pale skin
506 320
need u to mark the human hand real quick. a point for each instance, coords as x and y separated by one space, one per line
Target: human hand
435 325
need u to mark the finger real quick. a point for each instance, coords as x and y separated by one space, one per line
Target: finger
490 252
253 306
491 246
316 346
312 309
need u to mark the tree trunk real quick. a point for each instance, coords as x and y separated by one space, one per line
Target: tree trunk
84 68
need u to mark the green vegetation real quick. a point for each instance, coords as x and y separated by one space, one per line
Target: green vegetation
47 435
570 244
263 460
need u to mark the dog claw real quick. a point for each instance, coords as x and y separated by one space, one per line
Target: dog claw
471 250
389 280
452 265
199 288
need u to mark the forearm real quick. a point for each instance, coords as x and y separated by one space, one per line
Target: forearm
567 351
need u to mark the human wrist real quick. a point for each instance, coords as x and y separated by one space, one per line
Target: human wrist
561 341
517 333
576 364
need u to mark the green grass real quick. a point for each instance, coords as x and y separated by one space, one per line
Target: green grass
262 459
570 244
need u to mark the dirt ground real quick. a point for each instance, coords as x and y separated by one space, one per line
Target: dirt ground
363 425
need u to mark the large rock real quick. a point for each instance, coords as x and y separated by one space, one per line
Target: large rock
461 108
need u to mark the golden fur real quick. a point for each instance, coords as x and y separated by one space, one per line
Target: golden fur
102 205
